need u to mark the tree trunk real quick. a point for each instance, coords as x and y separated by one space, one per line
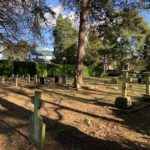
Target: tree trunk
81 51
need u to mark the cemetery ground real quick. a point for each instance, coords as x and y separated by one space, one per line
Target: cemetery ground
75 120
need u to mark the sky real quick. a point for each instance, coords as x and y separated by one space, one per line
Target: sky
55 5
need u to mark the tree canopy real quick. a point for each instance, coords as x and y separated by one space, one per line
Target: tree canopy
17 51
18 17
65 41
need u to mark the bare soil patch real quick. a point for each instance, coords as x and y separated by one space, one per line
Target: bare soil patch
75 120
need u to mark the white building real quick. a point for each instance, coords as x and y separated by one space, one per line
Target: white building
41 55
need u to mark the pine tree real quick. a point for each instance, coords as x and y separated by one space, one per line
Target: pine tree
65 41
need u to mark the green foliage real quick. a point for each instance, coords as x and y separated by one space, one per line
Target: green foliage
6 67
24 68
119 42
65 41
46 70
146 50
42 69
17 51
91 71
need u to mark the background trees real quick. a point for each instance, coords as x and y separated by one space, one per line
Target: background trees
65 41
17 51
94 11
118 41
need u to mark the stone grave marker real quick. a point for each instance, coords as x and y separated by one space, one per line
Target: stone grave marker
12 77
3 79
124 101
42 80
29 78
37 125
56 79
64 79
125 83
16 80
35 78
147 95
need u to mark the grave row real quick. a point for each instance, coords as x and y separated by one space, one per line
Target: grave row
15 79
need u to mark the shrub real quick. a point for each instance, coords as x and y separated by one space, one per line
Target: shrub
92 71
6 67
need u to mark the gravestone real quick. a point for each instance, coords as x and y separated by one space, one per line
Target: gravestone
124 101
12 77
139 79
64 79
35 79
16 80
37 125
56 79
42 81
29 78
3 79
147 95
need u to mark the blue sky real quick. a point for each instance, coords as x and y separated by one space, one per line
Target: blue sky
56 5
146 16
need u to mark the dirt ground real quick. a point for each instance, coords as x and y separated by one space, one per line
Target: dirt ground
75 120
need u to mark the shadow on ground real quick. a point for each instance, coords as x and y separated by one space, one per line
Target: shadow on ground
60 136
137 120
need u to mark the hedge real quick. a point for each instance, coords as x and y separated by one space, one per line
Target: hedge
42 69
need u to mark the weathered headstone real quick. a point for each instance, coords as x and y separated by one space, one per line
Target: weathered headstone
42 81
125 83
16 80
12 77
64 79
139 79
35 78
147 95
23 76
37 125
29 78
56 79
124 101
3 79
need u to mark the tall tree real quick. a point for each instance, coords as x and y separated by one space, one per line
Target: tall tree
65 41
94 10
98 52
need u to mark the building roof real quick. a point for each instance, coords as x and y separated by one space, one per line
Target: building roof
42 53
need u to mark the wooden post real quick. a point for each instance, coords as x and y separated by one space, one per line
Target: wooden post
37 125
16 80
